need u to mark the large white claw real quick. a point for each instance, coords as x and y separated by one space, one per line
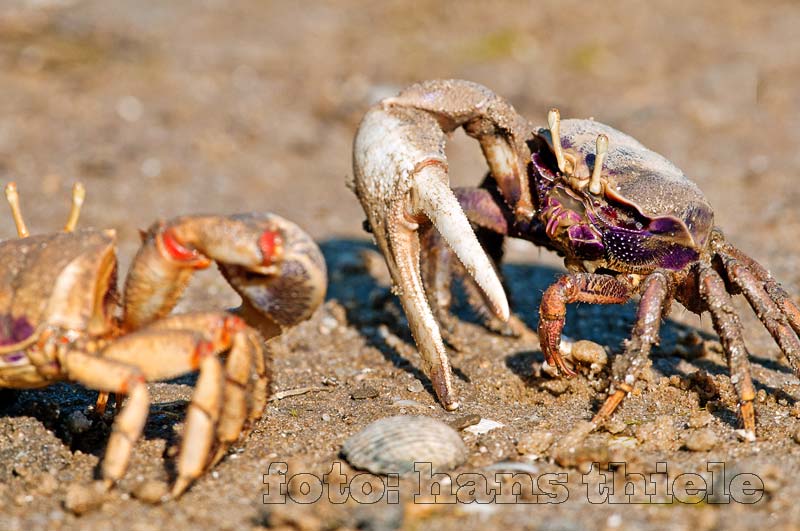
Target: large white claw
432 195
400 177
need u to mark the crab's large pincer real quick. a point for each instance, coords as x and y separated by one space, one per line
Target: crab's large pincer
401 180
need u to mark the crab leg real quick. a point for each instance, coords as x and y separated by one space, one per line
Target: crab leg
245 381
655 300
246 374
771 286
766 309
727 325
576 287
113 376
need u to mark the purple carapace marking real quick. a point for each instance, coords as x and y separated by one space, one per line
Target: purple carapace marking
14 329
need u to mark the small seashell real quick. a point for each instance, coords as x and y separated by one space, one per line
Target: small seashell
484 426
392 445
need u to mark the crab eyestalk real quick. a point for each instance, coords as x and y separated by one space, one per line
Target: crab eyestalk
78 195
566 163
13 200
595 186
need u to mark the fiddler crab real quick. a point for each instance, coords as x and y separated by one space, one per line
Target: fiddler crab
625 219
61 319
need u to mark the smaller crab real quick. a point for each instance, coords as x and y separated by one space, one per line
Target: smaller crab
60 319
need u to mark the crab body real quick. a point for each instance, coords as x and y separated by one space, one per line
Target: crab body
625 219
62 319
650 215
53 282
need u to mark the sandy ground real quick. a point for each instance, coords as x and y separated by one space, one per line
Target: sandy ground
164 108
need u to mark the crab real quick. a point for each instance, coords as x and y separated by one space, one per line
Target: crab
625 219
61 319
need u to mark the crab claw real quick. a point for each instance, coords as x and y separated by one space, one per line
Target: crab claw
276 267
401 180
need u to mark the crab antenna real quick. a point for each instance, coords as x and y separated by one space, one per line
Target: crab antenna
78 195
554 121
602 148
13 200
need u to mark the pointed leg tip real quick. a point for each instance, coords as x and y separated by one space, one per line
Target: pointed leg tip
181 484
221 453
452 406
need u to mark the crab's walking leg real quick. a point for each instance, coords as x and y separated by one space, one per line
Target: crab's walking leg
770 285
187 339
627 367
246 373
726 323
112 376
774 320
576 287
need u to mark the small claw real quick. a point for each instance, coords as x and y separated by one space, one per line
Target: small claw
434 197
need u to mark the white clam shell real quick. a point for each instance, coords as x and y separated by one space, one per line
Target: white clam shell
393 445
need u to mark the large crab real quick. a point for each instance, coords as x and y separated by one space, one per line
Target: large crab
625 219
60 319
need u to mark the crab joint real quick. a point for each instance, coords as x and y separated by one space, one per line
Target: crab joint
595 186
78 195
271 245
170 247
13 200
566 163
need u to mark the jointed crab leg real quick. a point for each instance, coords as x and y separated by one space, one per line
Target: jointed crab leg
767 311
577 287
221 403
244 397
726 323
655 298
113 376
770 285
